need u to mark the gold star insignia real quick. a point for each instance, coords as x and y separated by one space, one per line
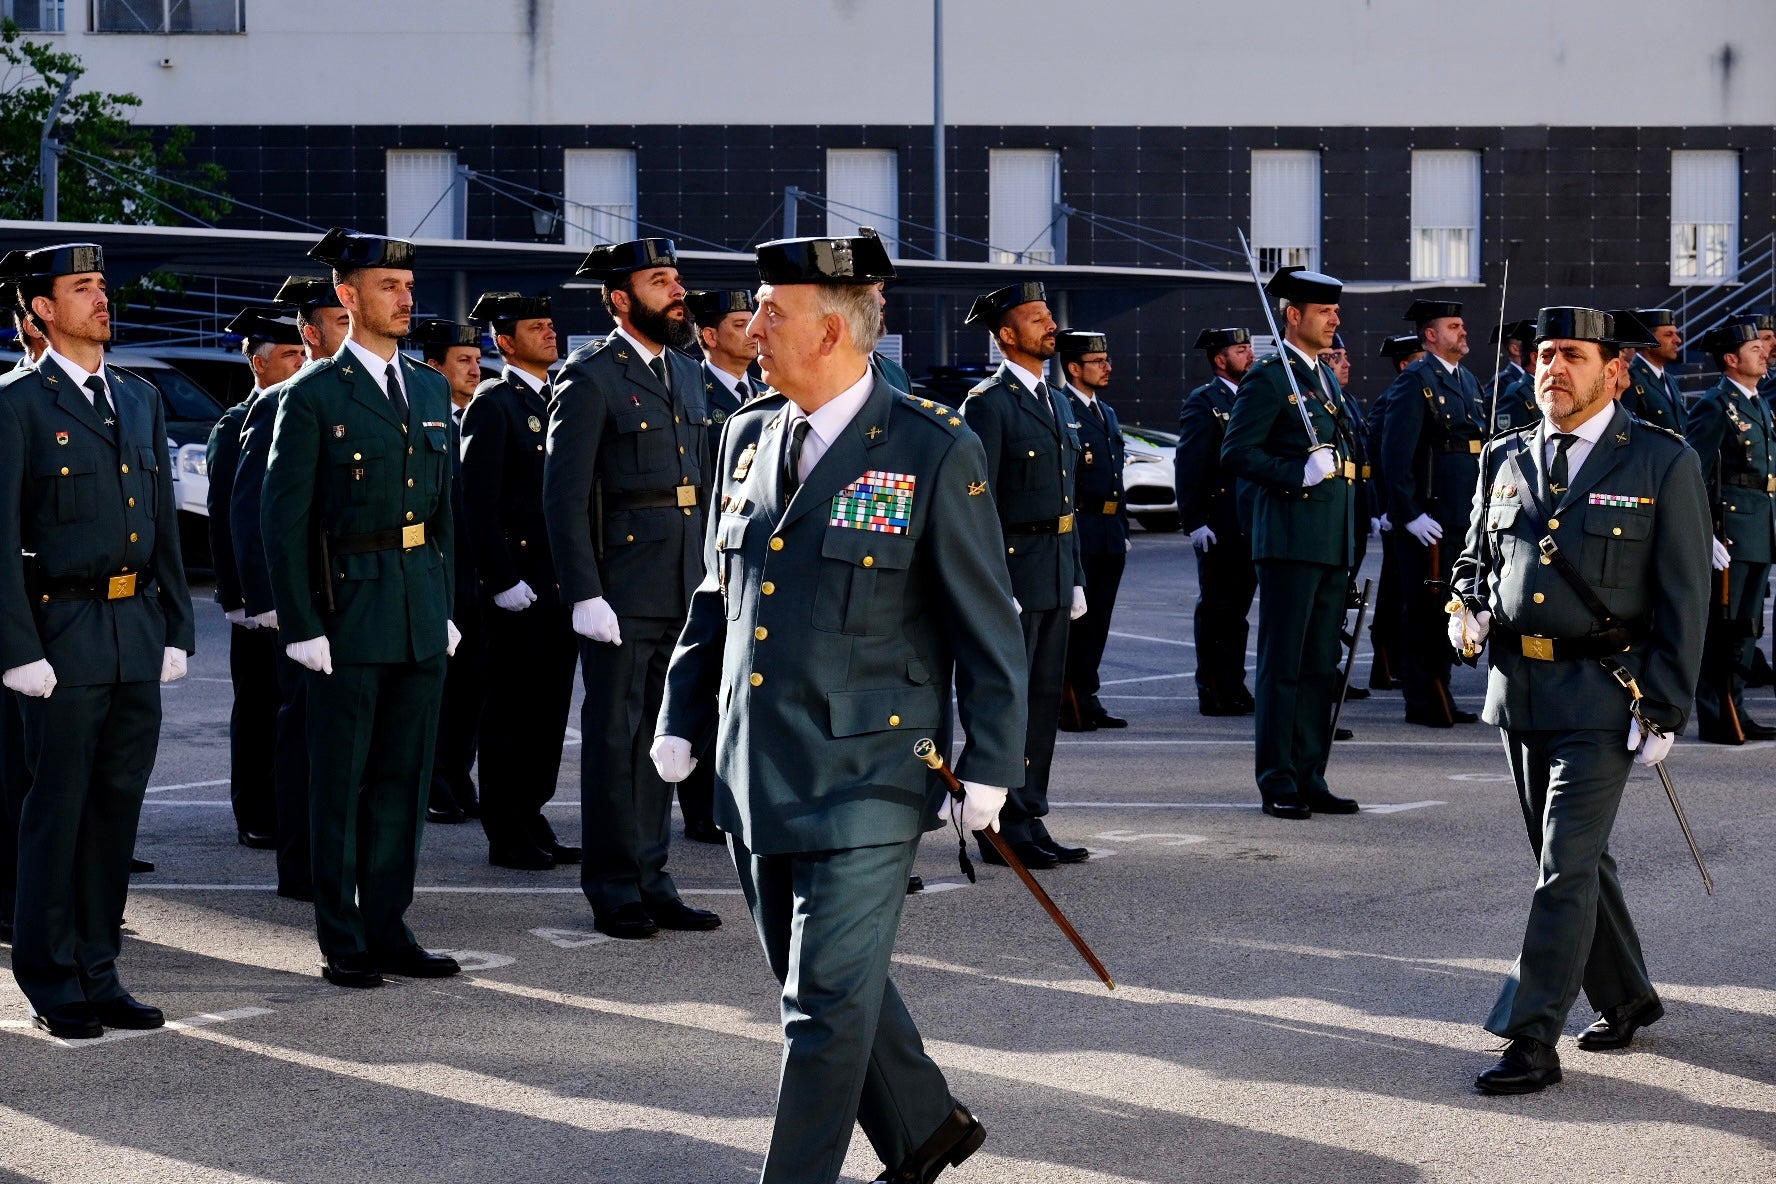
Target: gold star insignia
943 410
976 488
955 421
925 403
873 433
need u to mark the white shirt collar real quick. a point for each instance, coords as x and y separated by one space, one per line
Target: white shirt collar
1448 367
1658 370
1312 363
375 366
1028 379
832 417
1749 392
647 355
1231 384
75 370
728 380
1086 395
530 380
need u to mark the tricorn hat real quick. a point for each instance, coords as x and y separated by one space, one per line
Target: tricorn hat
1728 336
859 260
347 250
990 308
511 306
1301 286
308 291
614 260
64 259
1423 312
709 307
1572 323
1074 343
443 333
258 323
1405 345
1216 340
1631 331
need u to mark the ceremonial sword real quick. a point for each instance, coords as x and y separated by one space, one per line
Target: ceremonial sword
1313 437
1620 673
926 751
1344 684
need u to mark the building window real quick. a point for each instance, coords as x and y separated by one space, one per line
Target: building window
1704 217
168 16
863 189
1286 209
600 189
424 196
1446 216
33 16
1024 187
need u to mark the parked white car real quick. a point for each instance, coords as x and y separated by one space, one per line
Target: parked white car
1147 479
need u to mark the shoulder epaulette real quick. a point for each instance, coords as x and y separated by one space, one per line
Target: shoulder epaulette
933 410
983 385
760 399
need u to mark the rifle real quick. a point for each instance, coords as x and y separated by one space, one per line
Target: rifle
1726 631
1350 658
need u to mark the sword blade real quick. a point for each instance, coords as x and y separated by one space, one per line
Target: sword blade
1350 659
1684 824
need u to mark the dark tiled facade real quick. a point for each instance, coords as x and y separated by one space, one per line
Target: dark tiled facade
1591 207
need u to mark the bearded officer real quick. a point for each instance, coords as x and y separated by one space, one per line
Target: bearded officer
1033 451
856 559
100 616
1586 548
1103 527
623 500
1653 393
1304 525
359 541
1208 507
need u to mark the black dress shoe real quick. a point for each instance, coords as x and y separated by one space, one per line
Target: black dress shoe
70 1021
1353 693
1331 803
1756 731
1076 724
629 922
1343 734
1616 1026
126 1012
1103 719
561 853
140 867
700 831
1467 717
1031 855
355 971
1288 806
1215 706
915 885
1527 1067
1427 719
520 859
446 815
1243 703
1383 683
414 962
257 841
957 1137
1062 852
1718 736
676 914
302 892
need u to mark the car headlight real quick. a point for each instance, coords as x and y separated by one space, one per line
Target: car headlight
1145 460
195 460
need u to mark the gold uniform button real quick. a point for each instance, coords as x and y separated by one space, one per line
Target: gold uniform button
132 536
409 515
629 538
681 449
675 420
1011 550
126 468
761 633
1032 452
64 470
409 483
524 542
777 544
409 451
1539 598
894 721
767 587
1546 561
1616 530
132 502
539 447
869 560
357 456
644 424
756 679
1553 524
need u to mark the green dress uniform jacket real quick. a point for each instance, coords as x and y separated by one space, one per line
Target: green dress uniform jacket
503 454
221 459
893 371
1208 495
1517 406
1736 438
825 648
1430 444
1655 397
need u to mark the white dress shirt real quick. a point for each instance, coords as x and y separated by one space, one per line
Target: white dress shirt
825 425
1588 433
378 367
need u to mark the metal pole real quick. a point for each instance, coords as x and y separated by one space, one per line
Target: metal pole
940 248
790 196
49 151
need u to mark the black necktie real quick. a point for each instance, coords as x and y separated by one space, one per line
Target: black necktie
395 395
742 390
658 366
102 403
792 460
456 413
1557 475
547 391
1043 397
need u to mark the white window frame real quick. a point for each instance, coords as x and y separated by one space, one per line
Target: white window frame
1446 215
1285 228
441 216
604 211
1705 217
165 28
1014 174
51 15
863 189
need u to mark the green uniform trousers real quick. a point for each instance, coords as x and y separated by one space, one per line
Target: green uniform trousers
371 732
1579 932
1747 585
851 1053
1300 613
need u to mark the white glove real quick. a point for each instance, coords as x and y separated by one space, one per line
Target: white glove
1375 525
1320 466
515 599
979 807
1078 609
1386 523
1202 538
672 758
1648 750
1722 557
238 616
34 680
595 619
1425 529
452 638
316 653
267 620
1016 607
1128 545
172 664
1476 628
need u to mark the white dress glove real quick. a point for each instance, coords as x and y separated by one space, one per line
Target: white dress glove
238 616
1375 526
1202 538
172 664
452 638
1078 603
1425 529
1320 466
1128 545
595 619
672 758
1722 557
316 653
1016 607
1386 522
266 620
34 680
515 599
979 807
1648 749
1476 628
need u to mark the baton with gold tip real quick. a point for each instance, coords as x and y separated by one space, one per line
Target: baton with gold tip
926 751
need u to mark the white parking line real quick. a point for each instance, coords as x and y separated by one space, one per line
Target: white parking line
1385 808
208 1019
434 889
187 785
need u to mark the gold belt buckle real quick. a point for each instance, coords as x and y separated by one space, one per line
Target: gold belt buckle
1770 484
1110 507
1474 447
412 536
1539 648
1365 472
1350 470
687 495
121 587
1064 525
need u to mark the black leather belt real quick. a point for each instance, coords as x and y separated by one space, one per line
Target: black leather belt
1460 448
1601 644
401 538
1762 484
652 499
121 586
1061 525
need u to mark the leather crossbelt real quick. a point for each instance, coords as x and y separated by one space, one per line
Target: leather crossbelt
1612 638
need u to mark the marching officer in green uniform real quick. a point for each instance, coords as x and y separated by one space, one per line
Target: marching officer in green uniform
1653 394
273 347
1103 527
1434 427
359 543
1760 674
623 502
1033 453
1208 508
1386 629
1586 559
531 646
1732 430
92 621
856 560
890 369
1304 526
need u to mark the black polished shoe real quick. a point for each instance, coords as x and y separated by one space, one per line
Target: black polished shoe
1718 736
957 1137
520 859
1467 717
1527 1067
257 841
1031 855
629 922
446 815
1242 702
1343 734
1616 1026
1383 683
1353 693
1062 852
676 914
126 1012
140 867
355 971
414 962
915 885
1288 806
561 853
700 831
70 1021
1331 803
1096 716
1756 731
1427 719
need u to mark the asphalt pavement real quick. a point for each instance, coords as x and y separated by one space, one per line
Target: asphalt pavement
1295 1001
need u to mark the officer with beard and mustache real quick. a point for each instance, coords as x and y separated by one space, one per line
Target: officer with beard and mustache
623 499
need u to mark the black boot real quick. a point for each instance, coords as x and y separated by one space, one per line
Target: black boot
957 1137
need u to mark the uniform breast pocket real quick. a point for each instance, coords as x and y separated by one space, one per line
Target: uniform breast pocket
1501 520
355 474
1617 547
148 462
730 559
645 444
862 581
437 458
1032 461
68 482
